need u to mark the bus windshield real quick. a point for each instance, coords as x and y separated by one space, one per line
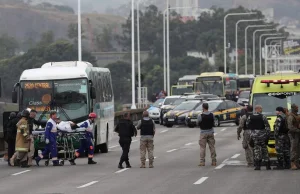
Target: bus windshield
232 86
211 85
70 97
245 82
267 101
179 90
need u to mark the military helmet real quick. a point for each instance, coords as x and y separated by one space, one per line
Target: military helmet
25 113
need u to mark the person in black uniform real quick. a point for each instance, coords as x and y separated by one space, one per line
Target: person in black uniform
11 133
126 130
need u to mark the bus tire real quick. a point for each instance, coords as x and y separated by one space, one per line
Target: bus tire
96 146
104 146
216 122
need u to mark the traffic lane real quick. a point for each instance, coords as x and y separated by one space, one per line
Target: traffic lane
73 175
173 173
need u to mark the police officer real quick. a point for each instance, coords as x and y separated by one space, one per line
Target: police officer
126 130
50 140
282 141
294 134
246 136
206 123
10 136
88 142
147 127
260 127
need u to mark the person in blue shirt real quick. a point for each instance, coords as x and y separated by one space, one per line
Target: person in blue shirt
50 140
88 142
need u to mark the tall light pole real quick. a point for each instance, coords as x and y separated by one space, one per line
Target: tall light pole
270 38
132 56
79 32
168 48
236 42
139 52
226 16
246 42
167 69
253 52
260 37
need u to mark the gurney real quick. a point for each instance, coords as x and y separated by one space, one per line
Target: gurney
67 141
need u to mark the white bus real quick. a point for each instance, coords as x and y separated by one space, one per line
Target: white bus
73 89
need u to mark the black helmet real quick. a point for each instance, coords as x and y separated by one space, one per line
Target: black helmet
25 113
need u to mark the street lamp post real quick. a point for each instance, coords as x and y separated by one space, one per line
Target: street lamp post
167 69
133 106
225 17
236 41
270 38
79 32
139 52
260 54
246 42
253 51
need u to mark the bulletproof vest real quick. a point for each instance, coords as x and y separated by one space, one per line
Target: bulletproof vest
283 126
247 115
125 128
207 121
147 127
256 122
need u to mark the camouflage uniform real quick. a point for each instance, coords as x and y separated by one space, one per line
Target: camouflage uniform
260 138
294 135
282 142
246 140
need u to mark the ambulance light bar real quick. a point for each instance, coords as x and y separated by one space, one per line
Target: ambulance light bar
295 81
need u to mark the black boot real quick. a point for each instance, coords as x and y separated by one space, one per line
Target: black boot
257 165
287 164
56 163
268 165
24 164
91 161
120 166
128 164
72 161
279 166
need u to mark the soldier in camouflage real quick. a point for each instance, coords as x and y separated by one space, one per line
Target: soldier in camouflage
246 136
294 134
282 141
260 132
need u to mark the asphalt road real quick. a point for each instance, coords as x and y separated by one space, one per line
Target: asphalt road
175 170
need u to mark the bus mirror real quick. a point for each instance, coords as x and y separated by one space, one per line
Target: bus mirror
93 92
14 97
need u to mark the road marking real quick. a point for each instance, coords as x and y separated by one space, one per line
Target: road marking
171 150
164 131
122 170
188 144
148 159
215 134
225 160
86 185
236 155
220 166
134 141
223 129
198 182
113 146
21 172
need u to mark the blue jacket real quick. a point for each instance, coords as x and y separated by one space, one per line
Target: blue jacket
51 130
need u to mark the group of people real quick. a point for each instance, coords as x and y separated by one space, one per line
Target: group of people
257 133
20 140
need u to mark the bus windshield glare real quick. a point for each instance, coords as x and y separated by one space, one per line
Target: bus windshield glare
267 101
211 85
179 90
70 96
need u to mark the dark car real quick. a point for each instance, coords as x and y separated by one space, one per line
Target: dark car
225 111
167 108
178 114
243 98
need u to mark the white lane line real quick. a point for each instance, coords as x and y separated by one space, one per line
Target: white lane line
171 150
236 155
119 171
164 131
148 159
113 146
223 129
188 144
220 166
225 160
86 185
200 181
134 141
215 134
21 172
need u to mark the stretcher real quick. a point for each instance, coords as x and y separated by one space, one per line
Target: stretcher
67 143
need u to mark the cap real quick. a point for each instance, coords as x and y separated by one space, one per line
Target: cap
281 109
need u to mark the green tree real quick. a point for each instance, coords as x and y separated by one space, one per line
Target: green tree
47 38
8 46
103 40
